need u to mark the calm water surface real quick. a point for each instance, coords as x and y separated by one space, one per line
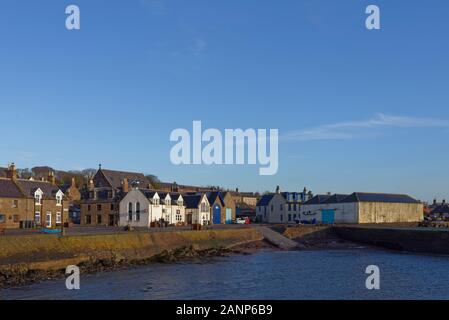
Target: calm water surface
338 274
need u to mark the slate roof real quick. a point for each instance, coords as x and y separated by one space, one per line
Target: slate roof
149 193
265 200
319 198
28 187
192 201
441 209
336 198
115 178
379 197
174 195
212 197
8 189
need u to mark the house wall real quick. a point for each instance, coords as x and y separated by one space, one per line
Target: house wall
134 196
276 210
380 212
107 209
344 212
230 204
26 211
291 213
12 214
222 211
199 217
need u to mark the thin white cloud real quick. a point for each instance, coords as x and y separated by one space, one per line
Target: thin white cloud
353 129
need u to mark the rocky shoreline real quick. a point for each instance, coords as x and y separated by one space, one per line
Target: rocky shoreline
21 274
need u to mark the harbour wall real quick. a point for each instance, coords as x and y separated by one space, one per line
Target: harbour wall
422 240
54 252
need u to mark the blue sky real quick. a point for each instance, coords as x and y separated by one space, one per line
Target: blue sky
356 110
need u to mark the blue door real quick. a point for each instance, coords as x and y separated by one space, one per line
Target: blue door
228 216
216 213
328 216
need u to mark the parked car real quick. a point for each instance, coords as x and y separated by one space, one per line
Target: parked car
243 220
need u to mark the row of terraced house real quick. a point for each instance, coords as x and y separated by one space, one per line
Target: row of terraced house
114 198
118 198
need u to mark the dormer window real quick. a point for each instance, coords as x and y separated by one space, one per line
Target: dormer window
168 202
38 198
180 203
59 195
156 202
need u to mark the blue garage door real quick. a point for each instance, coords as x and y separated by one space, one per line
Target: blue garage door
216 215
228 216
328 216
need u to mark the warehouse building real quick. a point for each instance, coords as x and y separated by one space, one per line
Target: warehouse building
361 207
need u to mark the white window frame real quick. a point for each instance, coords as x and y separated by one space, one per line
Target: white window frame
38 199
48 221
37 214
58 217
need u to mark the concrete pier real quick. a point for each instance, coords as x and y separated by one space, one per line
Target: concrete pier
422 240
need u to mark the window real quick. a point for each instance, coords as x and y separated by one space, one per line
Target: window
16 218
138 216
138 207
130 211
156 202
289 207
110 194
48 219
295 207
282 207
88 219
178 216
168 202
88 207
112 206
58 217
15 203
204 207
59 200
282 217
38 199
180 203
98 207
98 218
2 218
289 217
272 208
37 217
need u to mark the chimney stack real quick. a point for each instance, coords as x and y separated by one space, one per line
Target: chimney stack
278 190
125 186
91 186
444 202
51 178
434 202
12 171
